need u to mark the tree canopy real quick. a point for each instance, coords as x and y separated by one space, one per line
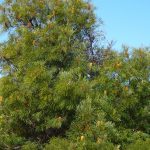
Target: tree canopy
60 89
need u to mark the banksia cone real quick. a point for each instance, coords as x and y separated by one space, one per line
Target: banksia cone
99 141
1 99
29 25
126 88
82 138
118 65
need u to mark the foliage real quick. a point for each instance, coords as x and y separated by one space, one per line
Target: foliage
29 146
60 90
138 145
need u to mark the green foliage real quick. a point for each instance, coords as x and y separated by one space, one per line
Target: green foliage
59 91
30 146
138 145
125 83
60 144
63 144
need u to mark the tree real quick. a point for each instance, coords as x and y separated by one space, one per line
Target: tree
60 90
45 62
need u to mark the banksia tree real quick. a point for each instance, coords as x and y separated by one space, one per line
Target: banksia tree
58 91
44 63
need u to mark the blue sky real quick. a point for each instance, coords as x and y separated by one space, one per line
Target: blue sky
125 21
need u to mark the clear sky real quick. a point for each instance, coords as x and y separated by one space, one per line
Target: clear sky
125 21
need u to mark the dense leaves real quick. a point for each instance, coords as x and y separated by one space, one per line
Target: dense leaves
60 90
